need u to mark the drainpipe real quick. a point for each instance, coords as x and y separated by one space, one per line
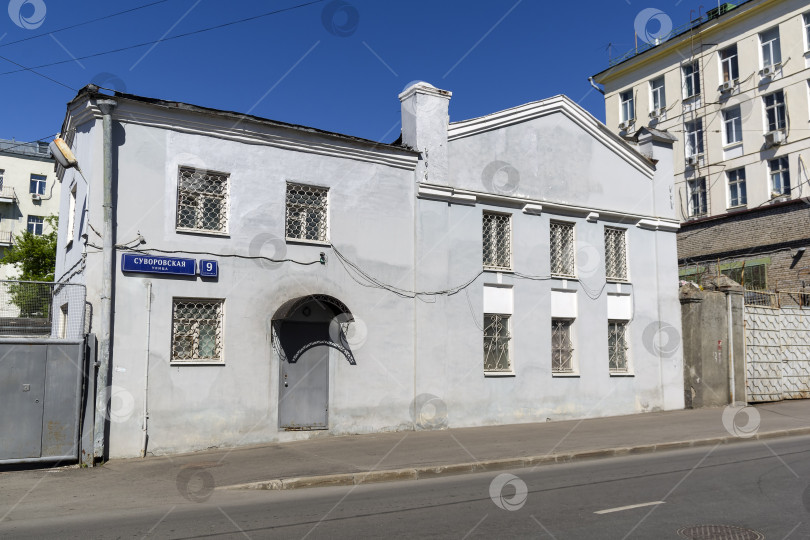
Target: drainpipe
590 80
105 322
730 351
146 366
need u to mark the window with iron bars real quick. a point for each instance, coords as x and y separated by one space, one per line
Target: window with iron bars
751 276
202 201
307 216
615 254
497 343
197 330
497 241
562 350
562 249
617 347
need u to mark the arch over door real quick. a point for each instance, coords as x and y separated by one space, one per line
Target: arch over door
305 330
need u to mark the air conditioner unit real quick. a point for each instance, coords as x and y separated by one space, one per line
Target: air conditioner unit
774 138
36 197
727 86
769 71
776 194
624 125
692 160
657 113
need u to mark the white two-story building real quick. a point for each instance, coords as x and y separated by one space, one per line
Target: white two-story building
273 280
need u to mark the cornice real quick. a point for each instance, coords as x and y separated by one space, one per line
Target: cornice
555 105
538 207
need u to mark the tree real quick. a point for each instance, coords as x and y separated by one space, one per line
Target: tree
35 256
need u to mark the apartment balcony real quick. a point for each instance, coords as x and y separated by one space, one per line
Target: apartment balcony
6 238
7 195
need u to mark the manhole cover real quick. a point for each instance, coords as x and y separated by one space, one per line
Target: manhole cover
719 532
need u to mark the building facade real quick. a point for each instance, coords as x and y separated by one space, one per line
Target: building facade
29 193
274 281
734 87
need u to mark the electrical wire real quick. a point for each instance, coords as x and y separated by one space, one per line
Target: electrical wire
163 40
41 139
224 255
82 23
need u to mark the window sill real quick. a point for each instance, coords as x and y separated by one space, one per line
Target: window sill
622 281
304 242
197 363
732 146
68 245
499 374
737 208
568 278
617 374
201 232
562 375
693 97
499 270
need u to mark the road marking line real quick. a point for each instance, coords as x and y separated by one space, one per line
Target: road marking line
620 508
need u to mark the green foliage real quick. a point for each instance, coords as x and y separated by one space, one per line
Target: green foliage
35 256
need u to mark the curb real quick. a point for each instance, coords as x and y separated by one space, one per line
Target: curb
421 473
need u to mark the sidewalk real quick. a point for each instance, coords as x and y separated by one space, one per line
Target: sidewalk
387 456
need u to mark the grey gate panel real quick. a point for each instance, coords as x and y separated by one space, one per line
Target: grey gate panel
40 399
304 391
22 394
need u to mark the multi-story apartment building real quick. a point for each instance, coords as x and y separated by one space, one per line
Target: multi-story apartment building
29 192
272 279
733 86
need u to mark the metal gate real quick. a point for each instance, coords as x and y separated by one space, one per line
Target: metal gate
44 370
777 355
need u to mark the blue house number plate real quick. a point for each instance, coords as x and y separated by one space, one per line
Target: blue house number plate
209 268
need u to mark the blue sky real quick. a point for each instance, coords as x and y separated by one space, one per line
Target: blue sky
336 65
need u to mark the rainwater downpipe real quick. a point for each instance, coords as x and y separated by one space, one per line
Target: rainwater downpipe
730 351
146 367
105 322
590 80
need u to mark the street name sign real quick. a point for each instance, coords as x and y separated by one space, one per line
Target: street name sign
156 264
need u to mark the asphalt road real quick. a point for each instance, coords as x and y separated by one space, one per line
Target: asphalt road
760 485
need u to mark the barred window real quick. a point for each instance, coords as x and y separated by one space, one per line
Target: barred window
497 241
307 212
497 346
617 346
202 201
562 249
197 330
615 253
562 351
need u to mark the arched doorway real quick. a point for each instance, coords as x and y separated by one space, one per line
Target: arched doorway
305 330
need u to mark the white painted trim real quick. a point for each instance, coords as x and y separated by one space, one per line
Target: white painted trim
446 194
536 207
557 104
277 136
658 225
593 217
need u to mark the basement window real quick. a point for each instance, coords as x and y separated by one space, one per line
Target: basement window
197 330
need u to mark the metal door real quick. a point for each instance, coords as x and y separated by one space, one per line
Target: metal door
22 398
303 398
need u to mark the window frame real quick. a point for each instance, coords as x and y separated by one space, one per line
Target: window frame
573 369
658 94
573 255
770 47
71 224
494 215
691 79
623 256
733 64
324 213
510 371
41 183
41 224
806 20
627 106
750 268
783 173
224 207
195 337
701 189
738 182
777 109
733 124
697 133
617 372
